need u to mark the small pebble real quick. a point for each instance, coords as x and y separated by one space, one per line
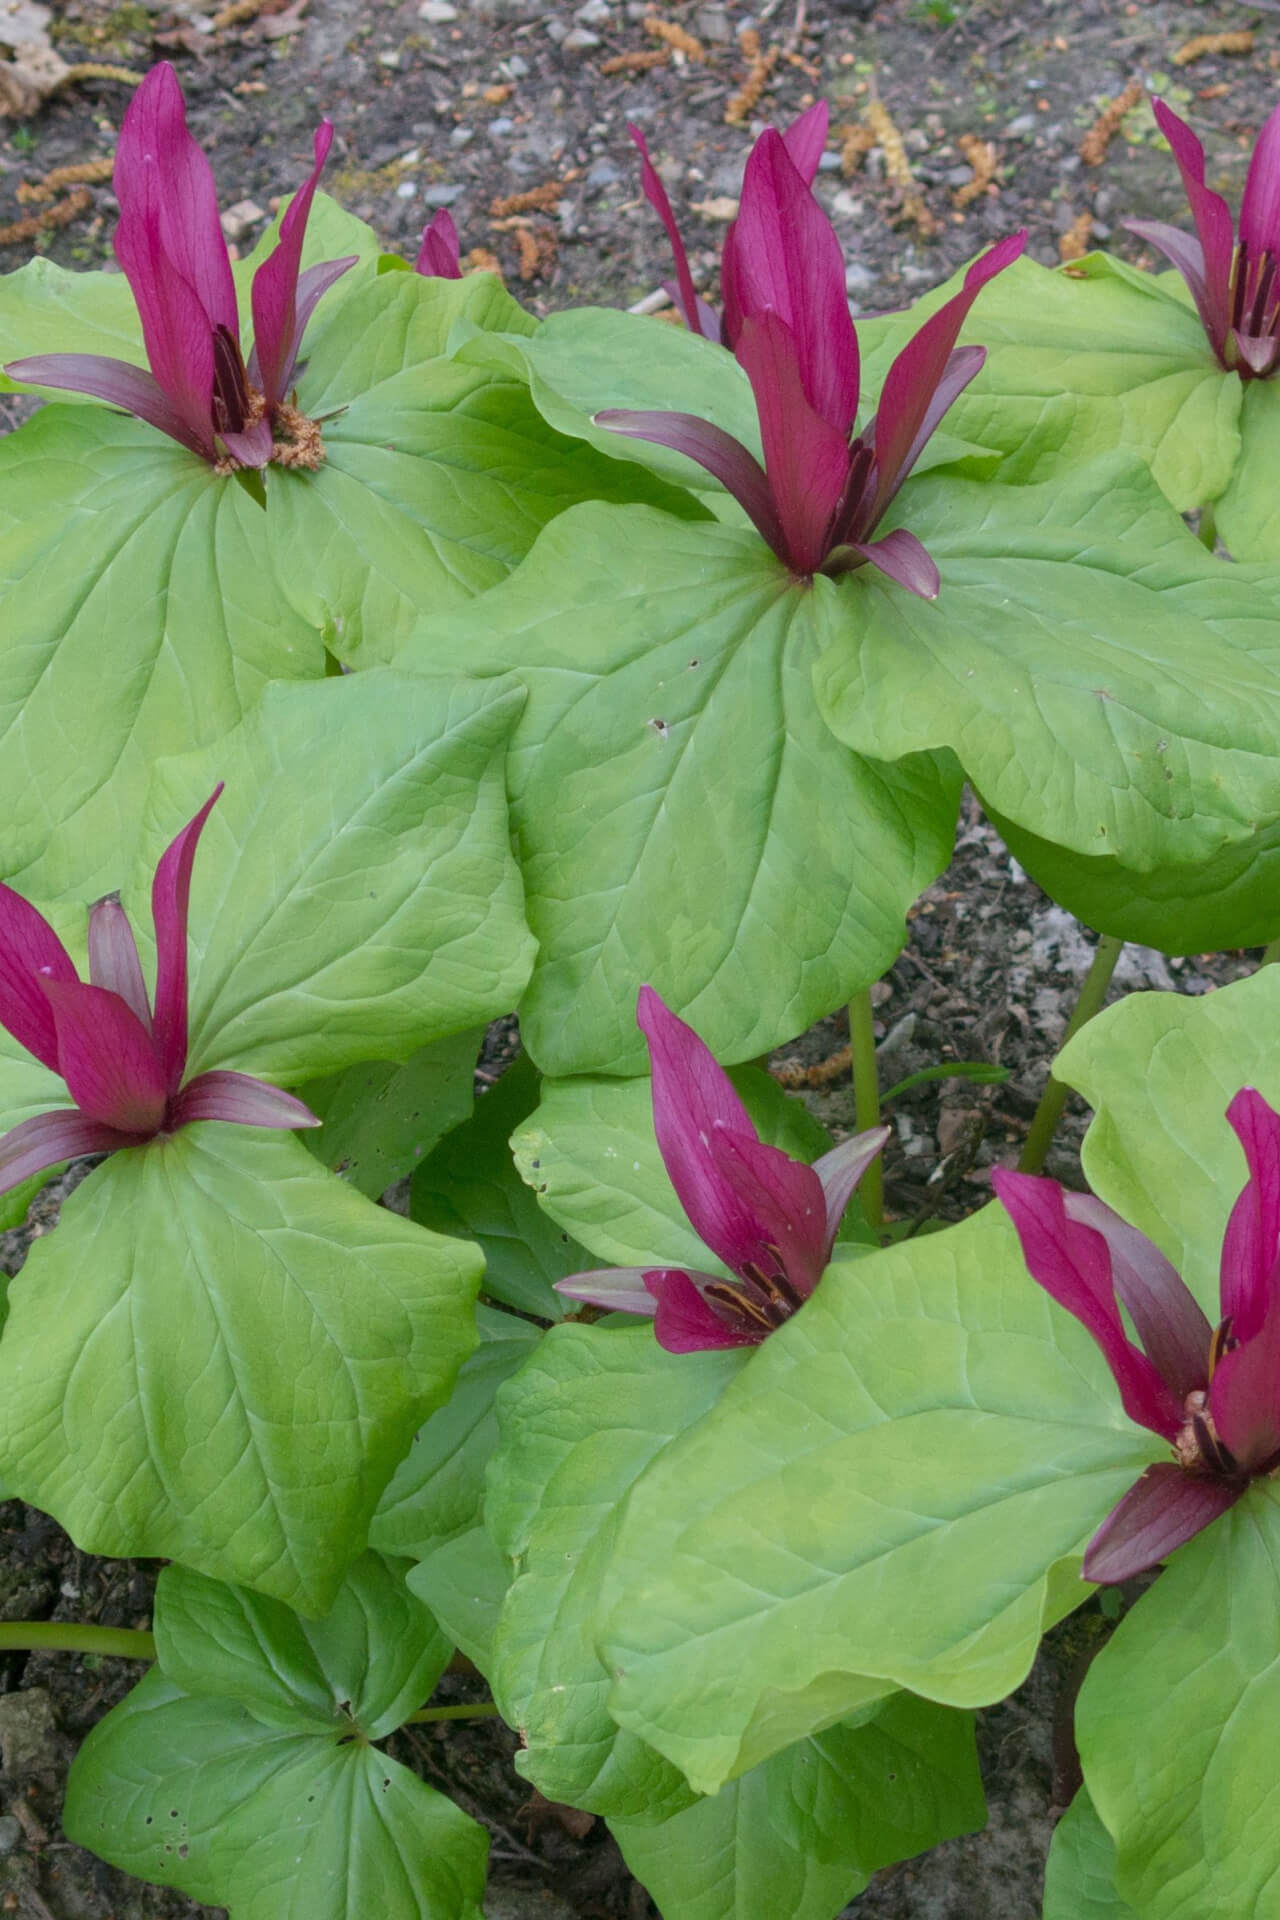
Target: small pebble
1024 123
603 174
503 124
517 67
462 137
442 196
406 190
858 279
593 13
389 58
240 219
437 13
581 40
10 1833
556 30
713 24
829 163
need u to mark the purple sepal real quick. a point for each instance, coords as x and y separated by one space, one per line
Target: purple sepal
113 959
47 1139
30 951
131 388
224 1095
275 284
840 1171
1212 216
170 892
1174 1332
1260 208
655 193
902 558
685 1322
1163 1510
724 458
621 1289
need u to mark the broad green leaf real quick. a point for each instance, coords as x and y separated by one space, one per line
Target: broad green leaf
1176 1724
1083 362
354 895
579 1423
380 1120
1105 682
1160 1069
590 1154
1248 512
240 1771
438 476
222 1354
894 1492
432 1511
1079 1879
141 615
1230 901
469 1186
802 1833
685 817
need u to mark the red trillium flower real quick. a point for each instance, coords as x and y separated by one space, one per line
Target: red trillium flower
170 244
820 494
1212 1392
1233 281
439 256
772 1220
122 1058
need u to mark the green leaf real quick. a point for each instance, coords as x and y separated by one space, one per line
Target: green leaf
684 815
351 904
1230 901
432 1510
579 1423
221 1355
802 1834
141 616
1079 1880
1160 1069
590 1154
1105 682
895 1492
241 1772
380 1120
438 476
469 1186
1248 512
1176 1725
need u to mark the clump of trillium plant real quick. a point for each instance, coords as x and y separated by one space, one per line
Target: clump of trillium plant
823 490
169 241
1212 1392
772 1220
123 1056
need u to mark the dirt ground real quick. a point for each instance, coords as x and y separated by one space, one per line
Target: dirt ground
980 108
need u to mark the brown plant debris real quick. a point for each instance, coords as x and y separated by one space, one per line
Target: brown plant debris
85 173
981 155
675 37
790 1073
1202 43
482 260
537 249
856 142
535 200
898 168
743 103
59 215
1074 243
1093 148
636 62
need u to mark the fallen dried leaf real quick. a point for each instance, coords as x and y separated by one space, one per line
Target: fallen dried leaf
1202 43
722 207
496 95
537 199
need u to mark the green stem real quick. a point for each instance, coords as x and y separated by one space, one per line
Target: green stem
1092 995
486 1708
1208 530
71 1636
866 1101
1270 953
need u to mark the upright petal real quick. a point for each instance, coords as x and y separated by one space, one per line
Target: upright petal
1213 225
170 892
120 385
1164 1509
686 297
840 1171
684 1322
787 1200
47 1139
805 457
113 958
240 1099
907 412
1260 208
106 1057
1251 1243
439 256
786 259
29 951
275 284
1072 1262
806 138
725 458
1244 1396
1174 1332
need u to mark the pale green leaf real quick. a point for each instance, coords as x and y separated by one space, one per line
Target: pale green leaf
1079 1879
380 1120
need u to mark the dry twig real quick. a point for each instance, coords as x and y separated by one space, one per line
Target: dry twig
1194 49
981 155
898 167
821 1074
743 103
85 173
636 62
675 36
61 214
1074 243
536 200
1093 148
856 142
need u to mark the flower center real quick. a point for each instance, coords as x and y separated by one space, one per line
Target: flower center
1255 311
760 1300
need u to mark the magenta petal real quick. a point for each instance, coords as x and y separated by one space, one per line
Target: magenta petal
840 1171
725 458
49 1138
656 194
902 558
439 256
1260 208
254 446
106 1057
1072 1263
29 951
113 958
805 457
1174 1332
1252 1240
1244 1397
961 367
805 140
907 400
275 284
786 260
239 1098
170 892
1164 1509
1213 225
686 1323
621 1289
119 384
786 1198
